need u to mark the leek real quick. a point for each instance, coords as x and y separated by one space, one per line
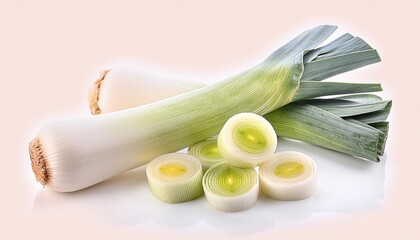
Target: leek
74 154
230 189
288 176
246 140
366 108
175 177
206 152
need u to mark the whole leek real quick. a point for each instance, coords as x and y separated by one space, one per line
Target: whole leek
310 120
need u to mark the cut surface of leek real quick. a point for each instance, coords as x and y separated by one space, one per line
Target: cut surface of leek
288 176
175 177
246 140
206 152
230 189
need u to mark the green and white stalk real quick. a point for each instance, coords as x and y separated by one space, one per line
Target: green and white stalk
366 108
288 176
247 140
206 152
126 87
231 189
175 177
70 155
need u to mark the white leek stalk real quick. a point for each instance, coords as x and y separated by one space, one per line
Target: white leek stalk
74 154
288 176
206 152
175 177
230 189
246 140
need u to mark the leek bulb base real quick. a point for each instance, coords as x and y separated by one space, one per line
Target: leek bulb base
39 161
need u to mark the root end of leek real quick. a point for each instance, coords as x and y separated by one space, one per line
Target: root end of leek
95 92
39 161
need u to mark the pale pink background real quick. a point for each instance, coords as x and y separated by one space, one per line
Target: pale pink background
50 52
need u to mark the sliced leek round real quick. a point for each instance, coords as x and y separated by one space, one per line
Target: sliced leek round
288 176
247 140
175 177
230 189
206 152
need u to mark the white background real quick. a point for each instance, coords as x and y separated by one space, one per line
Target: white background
51 52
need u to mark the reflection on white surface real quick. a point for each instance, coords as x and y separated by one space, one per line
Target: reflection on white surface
345 185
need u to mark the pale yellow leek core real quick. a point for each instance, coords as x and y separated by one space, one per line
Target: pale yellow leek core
251 139
289 169
213 151
173 169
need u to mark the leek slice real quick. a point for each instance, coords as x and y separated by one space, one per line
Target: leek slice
206 152
247 140
230 189
175 177
288 176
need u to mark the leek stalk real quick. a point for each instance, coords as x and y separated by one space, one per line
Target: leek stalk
366 108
